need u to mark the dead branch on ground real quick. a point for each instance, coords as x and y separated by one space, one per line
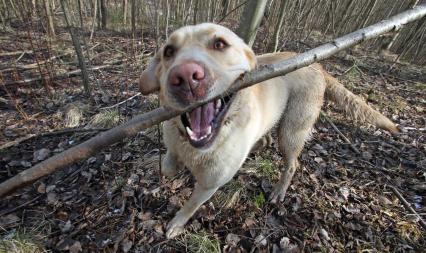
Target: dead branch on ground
122 102
339 132
16 53
408 206
160 114
50 133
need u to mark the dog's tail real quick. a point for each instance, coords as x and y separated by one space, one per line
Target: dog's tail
354 106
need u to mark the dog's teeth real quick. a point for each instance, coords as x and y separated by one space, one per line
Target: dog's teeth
209 131
216 111
190 133
218 104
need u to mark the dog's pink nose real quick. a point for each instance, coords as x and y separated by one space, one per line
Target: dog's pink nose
187 75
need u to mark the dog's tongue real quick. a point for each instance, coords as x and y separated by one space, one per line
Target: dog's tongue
200 119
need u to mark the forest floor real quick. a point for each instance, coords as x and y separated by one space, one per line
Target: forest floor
116 201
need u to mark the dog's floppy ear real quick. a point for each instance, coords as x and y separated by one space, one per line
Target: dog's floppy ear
251 57
148 81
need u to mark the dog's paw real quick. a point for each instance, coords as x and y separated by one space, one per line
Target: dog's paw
170 166
169 172
173 230
277 195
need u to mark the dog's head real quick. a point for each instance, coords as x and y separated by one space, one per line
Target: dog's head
196 64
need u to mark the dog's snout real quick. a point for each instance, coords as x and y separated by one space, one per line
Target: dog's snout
189 73
188 78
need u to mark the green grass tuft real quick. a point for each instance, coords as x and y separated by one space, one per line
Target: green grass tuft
259 200
106 119
20 242
199 243
353 73
420 86
267 169
229 195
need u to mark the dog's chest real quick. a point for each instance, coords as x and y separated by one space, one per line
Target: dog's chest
216 165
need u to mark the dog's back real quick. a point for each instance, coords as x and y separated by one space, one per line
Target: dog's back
352 105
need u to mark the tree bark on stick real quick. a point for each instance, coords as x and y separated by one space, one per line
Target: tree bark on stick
158 115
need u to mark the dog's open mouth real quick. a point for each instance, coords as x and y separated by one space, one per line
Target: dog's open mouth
203 123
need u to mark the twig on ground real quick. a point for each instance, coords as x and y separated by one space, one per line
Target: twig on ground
16 208
4 101
408 206
34 65
50 133
340 133
125 230
16 53
72 73
68 74
122 102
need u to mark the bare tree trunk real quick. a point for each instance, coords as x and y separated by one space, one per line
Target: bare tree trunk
95 11
77 46
157 25
225 4
166 29
250 20
133 18
80 13
104 14
17 14
395 37
4 16
343 21
194 21
188 13
370 11
412 38
50 24
212 11
125 12
274 43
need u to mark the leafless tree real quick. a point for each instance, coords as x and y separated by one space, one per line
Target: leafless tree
77 45
250 20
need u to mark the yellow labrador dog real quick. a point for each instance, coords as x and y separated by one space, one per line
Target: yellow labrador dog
198 63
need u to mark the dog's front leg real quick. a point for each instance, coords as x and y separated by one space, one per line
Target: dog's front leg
170 164
198 197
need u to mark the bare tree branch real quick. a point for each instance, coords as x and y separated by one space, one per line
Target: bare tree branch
158 115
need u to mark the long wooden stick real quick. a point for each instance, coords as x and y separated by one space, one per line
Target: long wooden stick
158 115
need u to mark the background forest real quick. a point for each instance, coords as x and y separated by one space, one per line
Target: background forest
69 70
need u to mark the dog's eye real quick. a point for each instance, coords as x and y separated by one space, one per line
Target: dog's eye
169 51
220 44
